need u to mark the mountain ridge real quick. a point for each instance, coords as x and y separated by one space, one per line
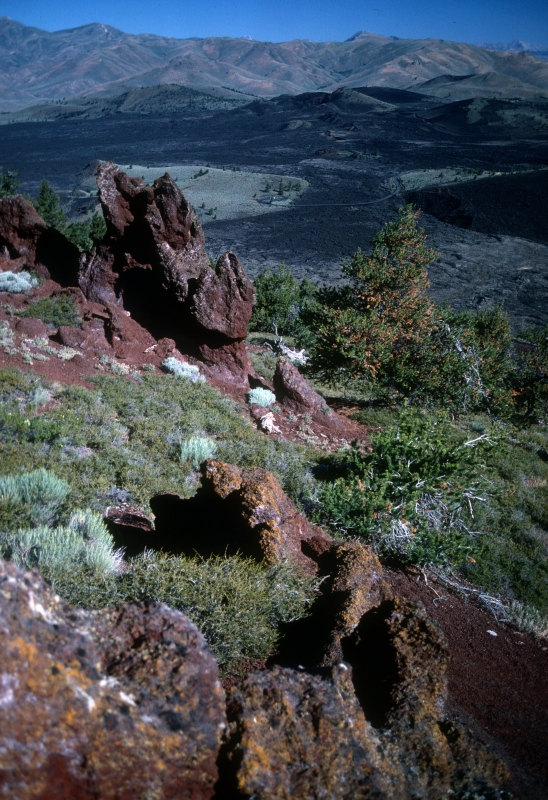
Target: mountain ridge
38 66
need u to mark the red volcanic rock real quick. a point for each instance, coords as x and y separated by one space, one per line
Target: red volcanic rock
226 363
124 334
297 396
355 587
90 337
377 729
153 263
20 229
154 242
352 584
223 301
26 242
273 524
399 657
32 327
119 703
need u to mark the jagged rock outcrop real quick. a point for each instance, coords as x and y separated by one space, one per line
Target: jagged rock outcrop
117 703
238 510
20 229
351 585
399 658
126 702
279 531
354 586
26 242
153 263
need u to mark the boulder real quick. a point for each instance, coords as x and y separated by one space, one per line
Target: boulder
399 657
275 529
373 728
117 703
20 229
351 585
124 334
354 585
90 337
237 511
31 327
296 396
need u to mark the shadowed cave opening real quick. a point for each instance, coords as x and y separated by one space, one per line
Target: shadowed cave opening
203 525
373 658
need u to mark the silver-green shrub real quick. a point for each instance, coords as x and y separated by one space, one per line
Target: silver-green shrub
17 283
528 619
181 369
197 449
40 396
84 543
40 492
261 397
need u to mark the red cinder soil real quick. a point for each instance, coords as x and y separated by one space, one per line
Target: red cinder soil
498 685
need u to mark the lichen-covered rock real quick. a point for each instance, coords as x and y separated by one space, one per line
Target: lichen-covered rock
399 658
355 587
295 735
352 584
275 529
121 703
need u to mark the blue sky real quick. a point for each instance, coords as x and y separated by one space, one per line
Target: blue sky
279 20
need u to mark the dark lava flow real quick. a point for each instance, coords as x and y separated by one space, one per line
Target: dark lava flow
491 234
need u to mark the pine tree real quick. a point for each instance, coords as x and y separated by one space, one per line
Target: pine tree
9 183
374 332
48 206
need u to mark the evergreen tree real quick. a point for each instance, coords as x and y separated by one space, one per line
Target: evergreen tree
9 183
375 331
49 208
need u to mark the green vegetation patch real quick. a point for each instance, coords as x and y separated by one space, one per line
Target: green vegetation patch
57 310
237 603
127 434
467 495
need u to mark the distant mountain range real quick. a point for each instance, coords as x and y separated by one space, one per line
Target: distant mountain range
517 46
38 66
